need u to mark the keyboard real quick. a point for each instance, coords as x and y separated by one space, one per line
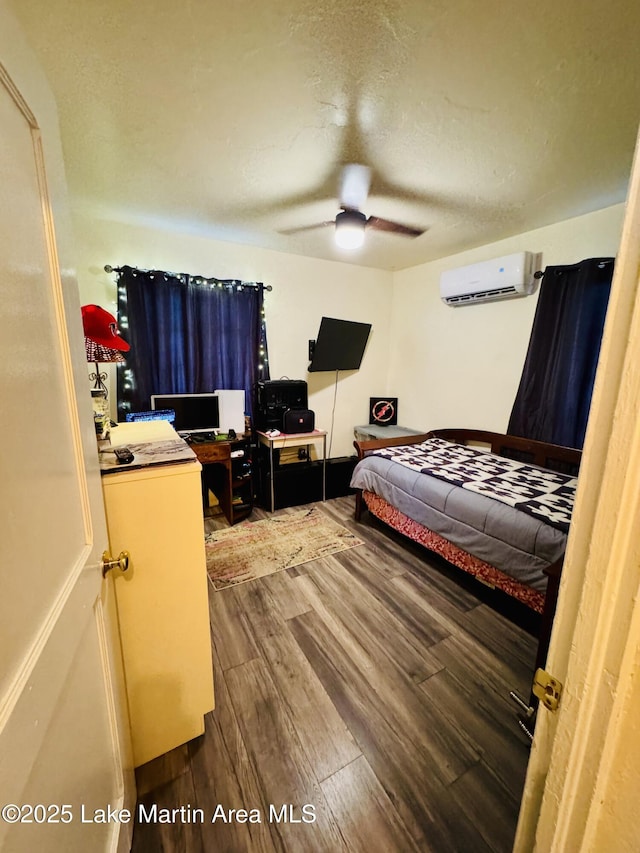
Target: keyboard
199 437
154 415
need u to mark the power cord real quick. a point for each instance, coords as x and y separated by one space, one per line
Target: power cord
333 412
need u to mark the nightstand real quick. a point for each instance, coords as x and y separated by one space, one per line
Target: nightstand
373 431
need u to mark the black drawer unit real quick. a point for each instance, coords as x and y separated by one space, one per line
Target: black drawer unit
295 484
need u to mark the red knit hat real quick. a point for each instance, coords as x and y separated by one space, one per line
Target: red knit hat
102 328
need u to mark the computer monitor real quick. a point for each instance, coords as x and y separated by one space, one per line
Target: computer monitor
194 412
340 345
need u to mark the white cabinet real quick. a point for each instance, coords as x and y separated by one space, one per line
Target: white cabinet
155 514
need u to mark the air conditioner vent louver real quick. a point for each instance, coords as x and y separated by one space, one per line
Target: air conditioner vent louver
503 278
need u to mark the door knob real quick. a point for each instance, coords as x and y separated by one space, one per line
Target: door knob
108 563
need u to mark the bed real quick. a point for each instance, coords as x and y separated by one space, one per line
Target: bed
496 506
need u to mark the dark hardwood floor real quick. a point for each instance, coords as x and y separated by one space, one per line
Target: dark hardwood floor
368 690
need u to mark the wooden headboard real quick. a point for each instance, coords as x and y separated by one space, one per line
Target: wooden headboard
552 456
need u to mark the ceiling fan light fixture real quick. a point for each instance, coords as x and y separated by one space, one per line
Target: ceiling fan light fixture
350 229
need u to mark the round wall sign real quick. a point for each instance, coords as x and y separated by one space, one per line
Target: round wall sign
383 410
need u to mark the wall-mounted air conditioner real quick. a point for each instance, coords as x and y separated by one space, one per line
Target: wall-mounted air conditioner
503 278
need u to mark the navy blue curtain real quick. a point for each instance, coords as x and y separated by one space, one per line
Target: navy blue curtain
554 396
188 335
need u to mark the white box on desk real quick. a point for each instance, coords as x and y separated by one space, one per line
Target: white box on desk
231 410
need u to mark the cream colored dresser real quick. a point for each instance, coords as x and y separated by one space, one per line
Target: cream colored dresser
155 513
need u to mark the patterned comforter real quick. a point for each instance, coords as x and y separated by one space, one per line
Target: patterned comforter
544 494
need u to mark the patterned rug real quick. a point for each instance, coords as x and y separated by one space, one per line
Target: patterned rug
254 549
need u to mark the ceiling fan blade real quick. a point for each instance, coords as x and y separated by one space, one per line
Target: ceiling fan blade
354 186
386 225
301 228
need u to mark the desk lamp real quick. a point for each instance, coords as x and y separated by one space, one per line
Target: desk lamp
102 342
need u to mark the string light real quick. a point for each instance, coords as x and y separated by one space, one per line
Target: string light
126 377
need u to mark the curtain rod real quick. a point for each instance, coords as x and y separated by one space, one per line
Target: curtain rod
601 262
197 278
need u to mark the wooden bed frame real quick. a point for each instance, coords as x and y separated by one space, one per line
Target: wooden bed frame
552 456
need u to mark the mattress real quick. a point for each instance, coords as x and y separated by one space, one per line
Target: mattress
514 542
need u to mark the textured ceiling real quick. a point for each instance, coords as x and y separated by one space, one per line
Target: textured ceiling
232 119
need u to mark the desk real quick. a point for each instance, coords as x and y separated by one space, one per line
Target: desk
279 442
227 471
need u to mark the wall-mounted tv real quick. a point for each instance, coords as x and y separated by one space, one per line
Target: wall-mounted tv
194 412
340 345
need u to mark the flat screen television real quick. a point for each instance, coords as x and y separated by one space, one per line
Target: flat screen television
340 345
194 412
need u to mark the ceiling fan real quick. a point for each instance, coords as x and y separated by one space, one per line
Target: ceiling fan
351 222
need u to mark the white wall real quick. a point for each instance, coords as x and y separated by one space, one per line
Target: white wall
460 367
447 366
304 289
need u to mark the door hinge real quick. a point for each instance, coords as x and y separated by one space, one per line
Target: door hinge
547 688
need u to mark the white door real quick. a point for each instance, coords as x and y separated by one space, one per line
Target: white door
61 731
583 783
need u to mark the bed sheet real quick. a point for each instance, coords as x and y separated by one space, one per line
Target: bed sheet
517 544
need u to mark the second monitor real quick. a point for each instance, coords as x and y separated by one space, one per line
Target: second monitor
194 412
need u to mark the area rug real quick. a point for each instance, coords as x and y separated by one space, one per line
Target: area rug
254 549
